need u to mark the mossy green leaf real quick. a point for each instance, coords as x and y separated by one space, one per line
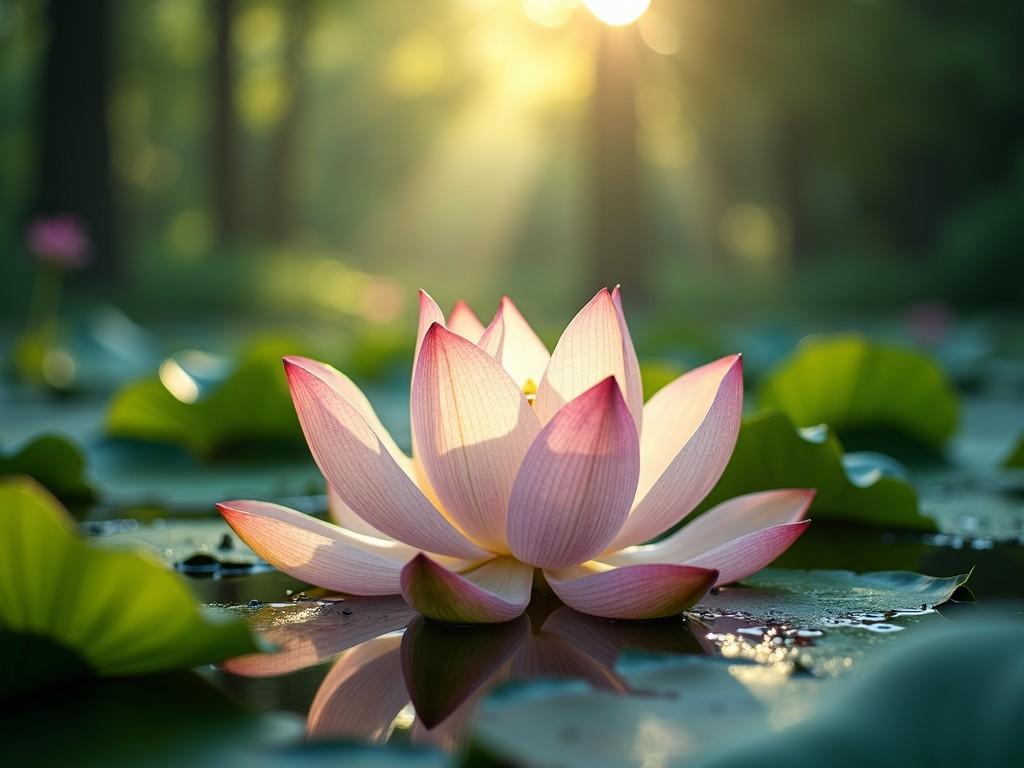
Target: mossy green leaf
248 410
853 384
772 453
119 612
54 462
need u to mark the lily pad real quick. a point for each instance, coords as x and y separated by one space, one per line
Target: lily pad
851 383
713 714
247 411
110 613
691 704
812 597
820 621
177 719
772 453
54 462
951 696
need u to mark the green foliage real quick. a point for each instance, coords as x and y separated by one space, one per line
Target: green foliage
771 453
249 410
851 383
91 610
655 374
55 463
1015 458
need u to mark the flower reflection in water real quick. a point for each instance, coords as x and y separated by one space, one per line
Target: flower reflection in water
401 677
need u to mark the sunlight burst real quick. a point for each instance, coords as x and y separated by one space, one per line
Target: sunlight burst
617 13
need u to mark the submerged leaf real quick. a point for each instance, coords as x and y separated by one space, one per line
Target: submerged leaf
117 612
771 453
851 383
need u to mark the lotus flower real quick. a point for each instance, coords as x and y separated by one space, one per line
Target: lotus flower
60 241
525 463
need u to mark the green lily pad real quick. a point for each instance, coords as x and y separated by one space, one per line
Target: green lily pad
178 719
961 680
112 613
247 411
813 597
772 453
949 679
851 383
824 622
55 463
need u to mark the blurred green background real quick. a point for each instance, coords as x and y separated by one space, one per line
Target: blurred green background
316 159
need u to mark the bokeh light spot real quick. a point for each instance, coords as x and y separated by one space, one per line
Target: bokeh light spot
258 30
549 13
59 368
617 13
415 66
752 233
659 33
189 235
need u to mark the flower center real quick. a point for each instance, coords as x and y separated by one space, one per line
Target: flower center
530 390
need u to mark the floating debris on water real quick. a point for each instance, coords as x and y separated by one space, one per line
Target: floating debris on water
205 565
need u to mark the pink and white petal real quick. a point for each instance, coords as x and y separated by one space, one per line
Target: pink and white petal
499 590
464 322
343 516
630 361
430 313
317 552
473 426
632 592
576 484
362 470
345 387
511 341
592 348
748 554
691 430
724 523
371 675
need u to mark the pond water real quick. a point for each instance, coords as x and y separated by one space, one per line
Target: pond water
553 686
371 670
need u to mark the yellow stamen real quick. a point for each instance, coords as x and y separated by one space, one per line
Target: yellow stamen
530 390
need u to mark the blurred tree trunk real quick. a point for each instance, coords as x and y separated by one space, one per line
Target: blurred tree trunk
791 174
281 189
224 134
619 244
74 174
